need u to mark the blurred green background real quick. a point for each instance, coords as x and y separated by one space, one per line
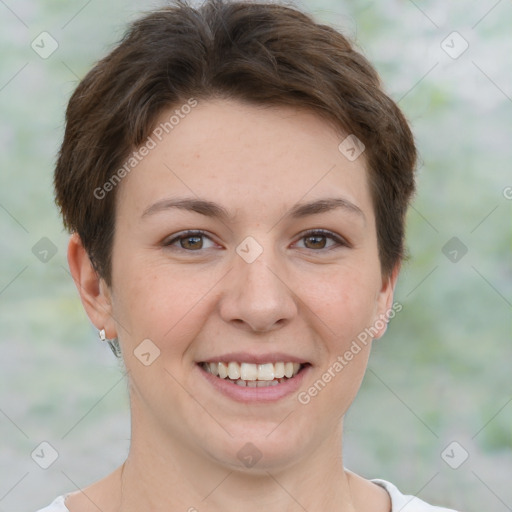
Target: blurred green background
442 372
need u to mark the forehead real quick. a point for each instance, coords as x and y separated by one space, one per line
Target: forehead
243 156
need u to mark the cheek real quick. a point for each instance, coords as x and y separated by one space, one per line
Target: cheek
152 302
344 301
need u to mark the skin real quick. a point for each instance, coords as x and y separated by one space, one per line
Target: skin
306 297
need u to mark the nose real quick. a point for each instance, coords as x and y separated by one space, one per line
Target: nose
256 296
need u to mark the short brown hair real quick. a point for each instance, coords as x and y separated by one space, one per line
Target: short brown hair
262 53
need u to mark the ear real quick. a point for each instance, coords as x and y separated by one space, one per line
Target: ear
385 307
94 292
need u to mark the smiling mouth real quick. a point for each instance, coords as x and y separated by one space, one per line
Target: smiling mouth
253 375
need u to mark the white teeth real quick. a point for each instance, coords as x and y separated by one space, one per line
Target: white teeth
222 370
278 370
214 368
233 371
248 373
266 371
256 383
288 370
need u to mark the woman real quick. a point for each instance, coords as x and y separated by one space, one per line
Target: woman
236 184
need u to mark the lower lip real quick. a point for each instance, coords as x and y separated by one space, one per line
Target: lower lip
245 394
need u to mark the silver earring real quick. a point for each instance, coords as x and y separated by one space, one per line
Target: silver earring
113 343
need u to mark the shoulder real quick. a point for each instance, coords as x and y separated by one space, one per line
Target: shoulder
405 502
399 502
56 506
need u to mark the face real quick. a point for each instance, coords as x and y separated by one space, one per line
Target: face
245 245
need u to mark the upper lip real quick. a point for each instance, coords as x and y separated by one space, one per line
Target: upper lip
245 357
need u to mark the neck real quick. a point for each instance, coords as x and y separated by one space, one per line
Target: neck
161 475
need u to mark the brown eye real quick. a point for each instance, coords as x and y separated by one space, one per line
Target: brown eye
319 239
315 241
191 241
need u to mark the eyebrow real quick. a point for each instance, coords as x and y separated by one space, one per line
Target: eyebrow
214 210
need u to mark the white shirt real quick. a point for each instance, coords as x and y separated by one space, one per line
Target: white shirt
399 502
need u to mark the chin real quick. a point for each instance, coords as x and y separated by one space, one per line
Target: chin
258 449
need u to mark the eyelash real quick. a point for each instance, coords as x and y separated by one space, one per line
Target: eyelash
341 242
